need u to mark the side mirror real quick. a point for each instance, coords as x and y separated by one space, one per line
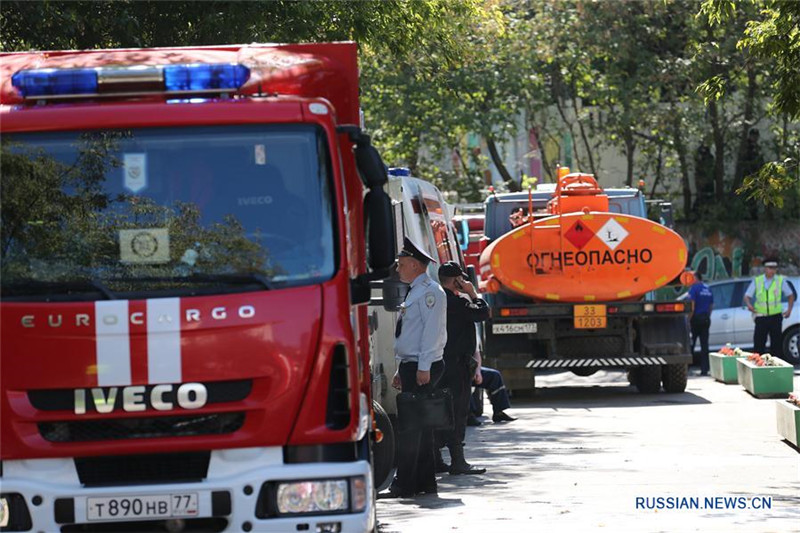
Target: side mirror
368 161
380 229
394 293
370 165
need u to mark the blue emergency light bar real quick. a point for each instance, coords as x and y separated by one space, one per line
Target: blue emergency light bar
198 78
55 82
109 81
400 171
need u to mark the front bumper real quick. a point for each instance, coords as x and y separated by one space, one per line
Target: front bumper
45 484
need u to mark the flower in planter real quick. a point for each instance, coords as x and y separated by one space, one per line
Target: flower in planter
731 351
794 399
756 359
764 360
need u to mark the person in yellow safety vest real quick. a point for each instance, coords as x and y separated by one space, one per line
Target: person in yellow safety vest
767 289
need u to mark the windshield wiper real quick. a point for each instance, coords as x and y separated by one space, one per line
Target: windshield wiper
56 288
234 279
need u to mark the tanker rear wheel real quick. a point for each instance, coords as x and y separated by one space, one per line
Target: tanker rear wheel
675 377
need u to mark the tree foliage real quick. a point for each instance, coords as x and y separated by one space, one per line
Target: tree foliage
447 85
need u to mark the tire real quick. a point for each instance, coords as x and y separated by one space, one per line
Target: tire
648 379
791 345
383 451
674 377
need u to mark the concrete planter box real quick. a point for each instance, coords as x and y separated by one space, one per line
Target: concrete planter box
765 381
723 367
788 421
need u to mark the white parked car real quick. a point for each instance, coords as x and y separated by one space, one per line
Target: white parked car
731 322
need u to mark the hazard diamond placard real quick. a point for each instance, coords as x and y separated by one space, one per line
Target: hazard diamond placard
612 233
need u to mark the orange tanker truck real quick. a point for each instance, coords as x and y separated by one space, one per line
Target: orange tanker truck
570 272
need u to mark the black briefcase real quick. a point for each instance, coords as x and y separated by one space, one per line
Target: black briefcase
425 410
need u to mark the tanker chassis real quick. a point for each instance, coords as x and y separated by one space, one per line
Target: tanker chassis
572 327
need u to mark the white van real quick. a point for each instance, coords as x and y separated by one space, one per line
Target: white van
422 215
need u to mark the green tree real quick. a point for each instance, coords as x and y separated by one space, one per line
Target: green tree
771 34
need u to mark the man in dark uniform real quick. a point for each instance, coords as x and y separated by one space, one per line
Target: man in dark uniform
700 321
462 313
420 337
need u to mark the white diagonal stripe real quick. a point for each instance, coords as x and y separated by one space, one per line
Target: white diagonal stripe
113 343
164 340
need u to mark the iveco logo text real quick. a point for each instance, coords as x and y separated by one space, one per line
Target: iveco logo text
139 397
190 315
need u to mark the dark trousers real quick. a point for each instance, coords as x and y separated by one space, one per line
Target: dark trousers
456 378
700 325
416 467
768 325
498 394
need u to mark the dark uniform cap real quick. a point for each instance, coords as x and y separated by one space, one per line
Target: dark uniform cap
771 262
412 250
451 269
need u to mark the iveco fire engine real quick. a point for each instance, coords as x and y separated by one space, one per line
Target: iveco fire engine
183 258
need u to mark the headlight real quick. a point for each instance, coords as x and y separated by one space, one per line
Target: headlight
358 492
3 512
313 496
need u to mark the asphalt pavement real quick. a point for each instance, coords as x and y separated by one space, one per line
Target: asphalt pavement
591 454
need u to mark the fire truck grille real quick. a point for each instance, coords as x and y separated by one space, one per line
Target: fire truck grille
64 399
155 468
142 428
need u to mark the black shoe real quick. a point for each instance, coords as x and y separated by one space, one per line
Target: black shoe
703 373
429 490
466 469
396 492
502 417
472 421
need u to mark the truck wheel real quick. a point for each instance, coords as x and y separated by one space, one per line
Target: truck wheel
383 451
648 379
791 345
674 377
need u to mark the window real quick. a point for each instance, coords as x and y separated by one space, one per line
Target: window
153 209
723 295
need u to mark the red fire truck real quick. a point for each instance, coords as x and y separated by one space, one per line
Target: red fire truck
188 235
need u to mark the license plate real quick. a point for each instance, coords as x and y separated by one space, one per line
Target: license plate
590 316
132 507
507 329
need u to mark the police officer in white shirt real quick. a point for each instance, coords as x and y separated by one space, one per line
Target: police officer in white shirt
420 337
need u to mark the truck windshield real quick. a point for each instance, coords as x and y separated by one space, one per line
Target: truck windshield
169 211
